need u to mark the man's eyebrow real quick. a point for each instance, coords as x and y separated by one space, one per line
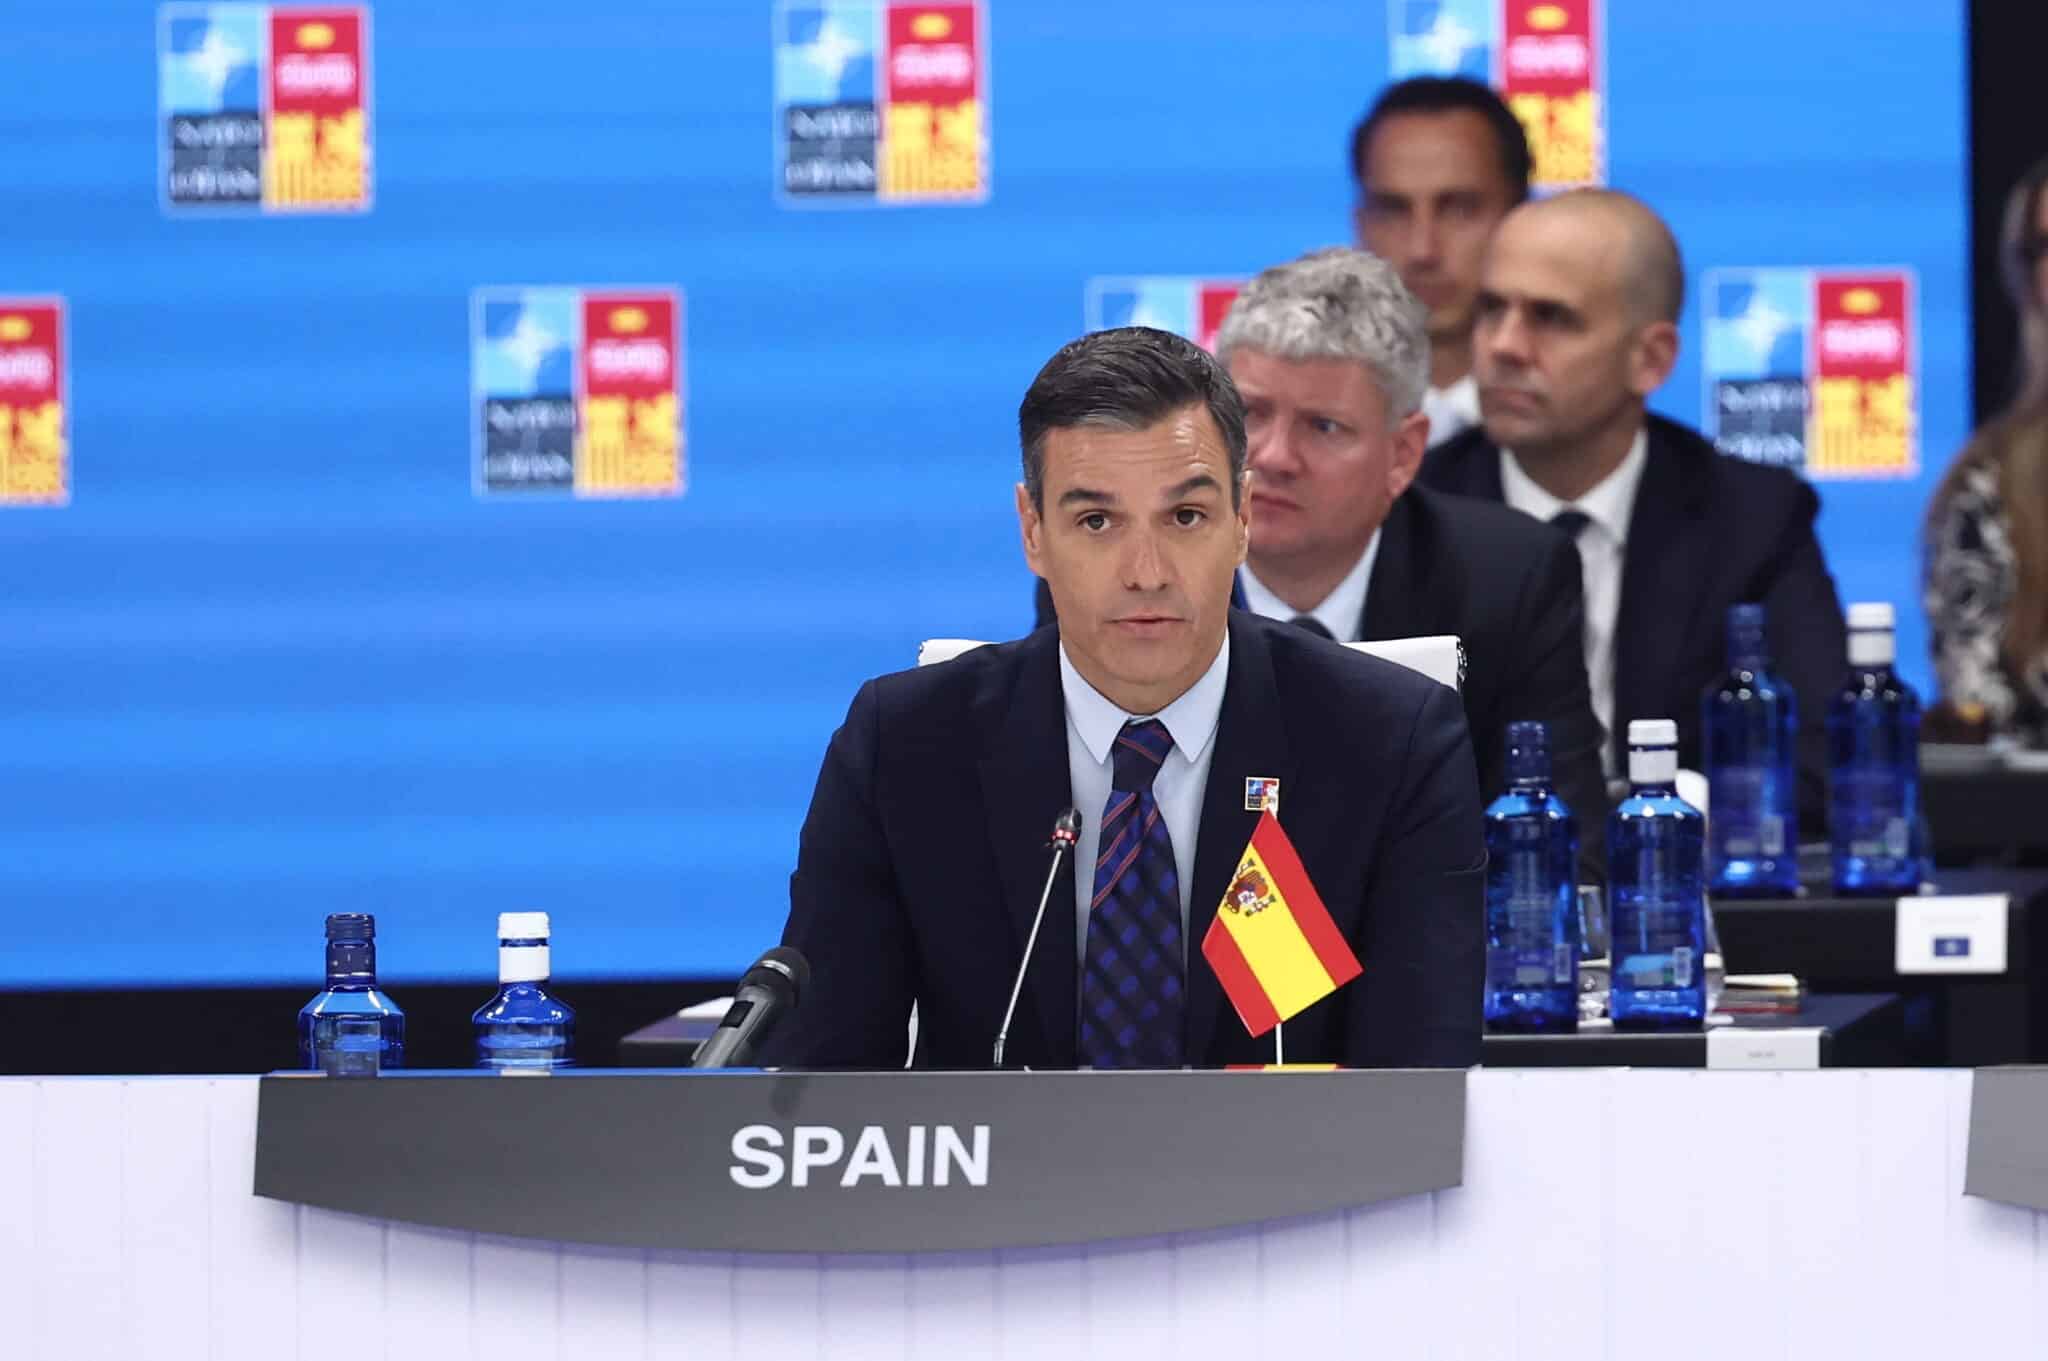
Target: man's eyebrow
1086 496
1199 482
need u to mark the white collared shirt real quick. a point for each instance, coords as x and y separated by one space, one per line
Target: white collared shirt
1451 410
1603 546
1343 609
1092 725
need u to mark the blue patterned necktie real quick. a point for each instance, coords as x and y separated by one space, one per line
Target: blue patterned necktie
1132 989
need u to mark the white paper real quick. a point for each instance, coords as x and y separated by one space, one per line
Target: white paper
1952 934
1755 1047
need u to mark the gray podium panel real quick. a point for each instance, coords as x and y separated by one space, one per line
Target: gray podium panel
2008 1152
855 1162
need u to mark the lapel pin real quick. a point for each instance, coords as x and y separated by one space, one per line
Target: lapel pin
1262 794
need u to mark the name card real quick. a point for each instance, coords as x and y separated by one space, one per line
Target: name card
1964 933
1759 1049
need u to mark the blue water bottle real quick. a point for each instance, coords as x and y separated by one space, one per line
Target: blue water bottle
1657 901
1749 722
525 1025
1874 765
351 1029
1532 920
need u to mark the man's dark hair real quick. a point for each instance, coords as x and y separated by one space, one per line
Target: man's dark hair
1449 94
1130 378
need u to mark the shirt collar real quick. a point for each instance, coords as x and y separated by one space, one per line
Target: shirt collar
1340 611
1191 719
1609 504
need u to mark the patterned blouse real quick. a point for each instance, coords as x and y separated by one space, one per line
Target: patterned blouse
1970 579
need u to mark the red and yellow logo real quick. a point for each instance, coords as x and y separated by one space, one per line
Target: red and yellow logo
1861 422
318 156
629 441
932 135
35 452
1550 77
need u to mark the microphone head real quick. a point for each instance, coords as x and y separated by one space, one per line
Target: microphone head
784 971
1067 830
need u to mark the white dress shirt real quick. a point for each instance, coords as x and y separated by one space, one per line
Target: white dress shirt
1342 610
1452 409
1092 725
1603 546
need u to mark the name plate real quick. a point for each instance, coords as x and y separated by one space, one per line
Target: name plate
1763 1050
1963 933
855 1162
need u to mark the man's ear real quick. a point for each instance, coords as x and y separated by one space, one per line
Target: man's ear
1655 355
1407 444
1031 525
1244 515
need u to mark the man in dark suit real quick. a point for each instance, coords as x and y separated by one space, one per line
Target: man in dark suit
1149 708
1577 326
1331 356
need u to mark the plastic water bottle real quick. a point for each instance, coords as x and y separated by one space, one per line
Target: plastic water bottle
351 1029
1874 765
1532 927
1657 907
1749 719
525 1025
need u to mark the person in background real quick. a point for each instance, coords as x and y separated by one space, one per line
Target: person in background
1439 162
1986 584
1330 355
1577 324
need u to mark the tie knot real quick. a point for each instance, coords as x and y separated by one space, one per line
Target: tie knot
1313 625
1139 752
1572 522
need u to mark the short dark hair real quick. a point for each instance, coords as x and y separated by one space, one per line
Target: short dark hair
1129 378
1449 94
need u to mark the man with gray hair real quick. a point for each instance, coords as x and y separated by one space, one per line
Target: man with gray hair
1330 354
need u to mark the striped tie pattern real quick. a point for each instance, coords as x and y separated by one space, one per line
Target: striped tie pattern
1133 989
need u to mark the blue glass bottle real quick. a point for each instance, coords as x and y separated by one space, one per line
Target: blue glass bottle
1749 724
1657 901
1532 920
1874 765
351 1029
525 1025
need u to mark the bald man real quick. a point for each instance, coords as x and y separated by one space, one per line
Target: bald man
1576 325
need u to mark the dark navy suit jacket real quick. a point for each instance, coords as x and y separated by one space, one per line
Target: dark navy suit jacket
923 855
1707 532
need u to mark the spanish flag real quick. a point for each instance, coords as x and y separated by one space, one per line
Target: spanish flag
1273 945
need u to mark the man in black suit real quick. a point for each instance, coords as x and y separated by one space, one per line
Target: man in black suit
1577 326
1148 709
1331 355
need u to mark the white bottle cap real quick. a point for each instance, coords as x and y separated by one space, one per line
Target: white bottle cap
523 963
1653 751
1653 732
1871 642
522 926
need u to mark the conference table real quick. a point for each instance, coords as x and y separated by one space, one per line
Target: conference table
1588 1214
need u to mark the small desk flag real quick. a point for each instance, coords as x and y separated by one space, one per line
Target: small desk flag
1273 945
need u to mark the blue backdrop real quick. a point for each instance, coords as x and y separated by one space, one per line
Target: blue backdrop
278 659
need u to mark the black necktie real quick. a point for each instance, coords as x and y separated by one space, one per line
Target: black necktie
1313 625
1572 522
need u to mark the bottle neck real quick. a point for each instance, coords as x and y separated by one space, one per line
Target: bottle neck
351 965
523 961
1653 769
1534 785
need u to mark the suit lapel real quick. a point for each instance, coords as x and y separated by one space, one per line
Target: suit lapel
1468 465
1250 741
1024 786
1390 595
1666 556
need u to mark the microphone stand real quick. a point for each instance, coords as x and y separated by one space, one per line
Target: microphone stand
1064 834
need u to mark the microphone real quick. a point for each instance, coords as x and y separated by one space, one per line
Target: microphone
1065 832
774 985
